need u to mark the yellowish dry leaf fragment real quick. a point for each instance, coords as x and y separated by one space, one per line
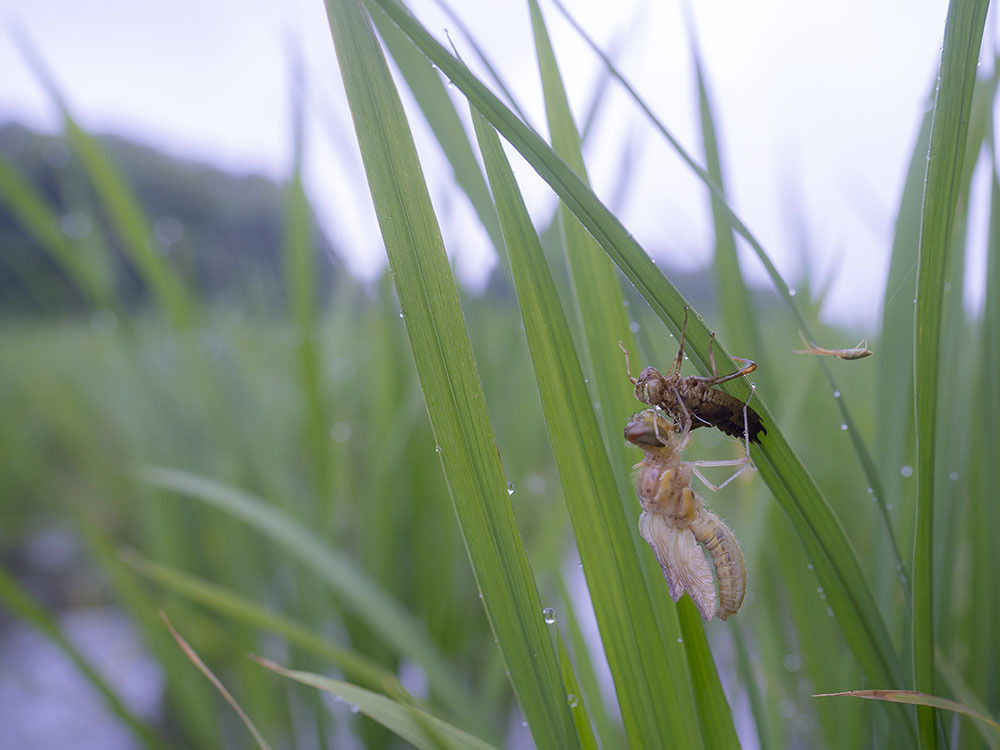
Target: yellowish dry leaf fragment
858 352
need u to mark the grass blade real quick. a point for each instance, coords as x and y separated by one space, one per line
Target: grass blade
413 725
736 306
193 657
949 131
432 96
119 201
599 305
353 665
28 207
28 610
384 616
652 713
916 698
448 377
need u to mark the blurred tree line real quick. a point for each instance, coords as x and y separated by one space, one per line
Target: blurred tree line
222 232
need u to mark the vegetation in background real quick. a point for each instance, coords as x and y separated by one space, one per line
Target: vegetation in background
274 482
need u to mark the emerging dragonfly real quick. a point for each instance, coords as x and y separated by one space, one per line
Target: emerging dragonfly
674 520
695 396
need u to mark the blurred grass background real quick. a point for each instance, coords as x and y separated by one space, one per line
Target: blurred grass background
281 378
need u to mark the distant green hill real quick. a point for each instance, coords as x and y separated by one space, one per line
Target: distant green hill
223 231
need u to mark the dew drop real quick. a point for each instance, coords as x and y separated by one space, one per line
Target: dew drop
510 488
791 292
871 491
809 566
906 471
524 722
549 615
401 316
843 426
829 612
888 506
836 394
597 406
819 589
792 662
572 700
354 707
680 640
634 326
953 476
437 448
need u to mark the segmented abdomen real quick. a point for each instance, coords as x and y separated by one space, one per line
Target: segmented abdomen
730 568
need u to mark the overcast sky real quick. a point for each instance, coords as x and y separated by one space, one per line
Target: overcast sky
818 107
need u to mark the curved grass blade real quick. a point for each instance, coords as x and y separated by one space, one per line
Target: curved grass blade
384 615
299 257
916 698
415 726
588 741
441 114
119 201
227 602
28 610
735 303
27 206
599 304
949 131
653 713
833 556
448 376
193 657
714 714
965 695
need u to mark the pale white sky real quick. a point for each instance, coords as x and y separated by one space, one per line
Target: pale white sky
817 106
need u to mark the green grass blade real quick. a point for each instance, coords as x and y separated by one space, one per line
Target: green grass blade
599 304
609 731
714 714
227 602
118 200
965 695
581 716
300 265
28 610
26 205
834 557
736 306
384 616
949 131
481 55
652 711
448 377
415 726
981 671
916 698
432 96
